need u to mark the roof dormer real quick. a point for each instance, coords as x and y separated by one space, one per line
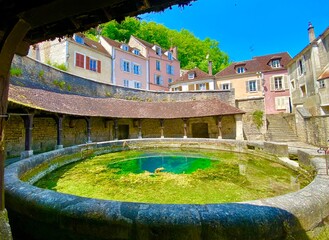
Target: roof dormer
240 68
79 38
157 50
275 62
124 47
191 75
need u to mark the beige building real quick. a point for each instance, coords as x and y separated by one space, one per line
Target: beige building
77 55
193 80
309 75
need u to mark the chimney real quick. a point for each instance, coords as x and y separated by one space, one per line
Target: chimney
210 68
174 52
311 34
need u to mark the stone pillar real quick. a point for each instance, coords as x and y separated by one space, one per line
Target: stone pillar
28 124
59 122
139 128
12 42
219 125
88 121
162 127
185 127
238 127
116 127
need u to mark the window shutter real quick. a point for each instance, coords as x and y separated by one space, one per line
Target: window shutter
198 87
272 84
285 82
207 86
258 85
99 67
121 64
161 80
230 86
247 86
155 78
172 70
87 63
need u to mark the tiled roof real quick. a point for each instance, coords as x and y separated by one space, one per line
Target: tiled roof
257 64
93 44
150 45
116 43
116 108
198 75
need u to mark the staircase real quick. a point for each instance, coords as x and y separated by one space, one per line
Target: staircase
278 129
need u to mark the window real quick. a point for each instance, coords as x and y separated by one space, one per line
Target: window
190 75
137 69
252 85
303 90
137 84
301 66
169 80
202 86
79 60
225 86
92 64
158 65
170 57
125 66
281 103
79 39
158 79
126 83
278 83
157 50
322 84
136 52
276 63
240 70
292 83
170 69
124 47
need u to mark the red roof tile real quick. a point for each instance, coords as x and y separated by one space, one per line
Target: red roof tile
93 44
116 108
198 75
257 64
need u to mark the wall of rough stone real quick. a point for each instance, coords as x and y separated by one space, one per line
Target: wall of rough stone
251 131
44 133
31 76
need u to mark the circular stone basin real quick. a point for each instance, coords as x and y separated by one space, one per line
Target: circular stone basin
172 176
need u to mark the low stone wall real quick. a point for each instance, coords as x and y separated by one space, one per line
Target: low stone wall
43 214
38 75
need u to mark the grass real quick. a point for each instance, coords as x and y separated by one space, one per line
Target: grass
222 182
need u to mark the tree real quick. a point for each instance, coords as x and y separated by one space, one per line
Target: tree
192 51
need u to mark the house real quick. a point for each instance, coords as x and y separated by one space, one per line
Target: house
78 55
163 65
309 75
193 80
263 78
129 65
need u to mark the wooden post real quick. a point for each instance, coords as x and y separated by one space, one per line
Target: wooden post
139 128
219 125
162 127
115 129
59 122
88 121
185 127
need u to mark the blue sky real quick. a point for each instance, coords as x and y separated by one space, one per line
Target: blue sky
248 28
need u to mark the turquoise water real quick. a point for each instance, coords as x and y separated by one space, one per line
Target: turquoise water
174 164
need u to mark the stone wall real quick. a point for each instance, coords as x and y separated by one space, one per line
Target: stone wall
39 75
251 131
63 216
44 133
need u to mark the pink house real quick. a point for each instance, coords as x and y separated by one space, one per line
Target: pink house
261 77
163 65
129 65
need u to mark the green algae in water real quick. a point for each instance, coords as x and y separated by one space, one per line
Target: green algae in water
164 163
111 177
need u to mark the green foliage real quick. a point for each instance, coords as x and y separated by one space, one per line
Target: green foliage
58 83
192 51
60 66
16 72
257 118
41 73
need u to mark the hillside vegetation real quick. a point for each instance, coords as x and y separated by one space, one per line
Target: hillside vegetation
192 51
